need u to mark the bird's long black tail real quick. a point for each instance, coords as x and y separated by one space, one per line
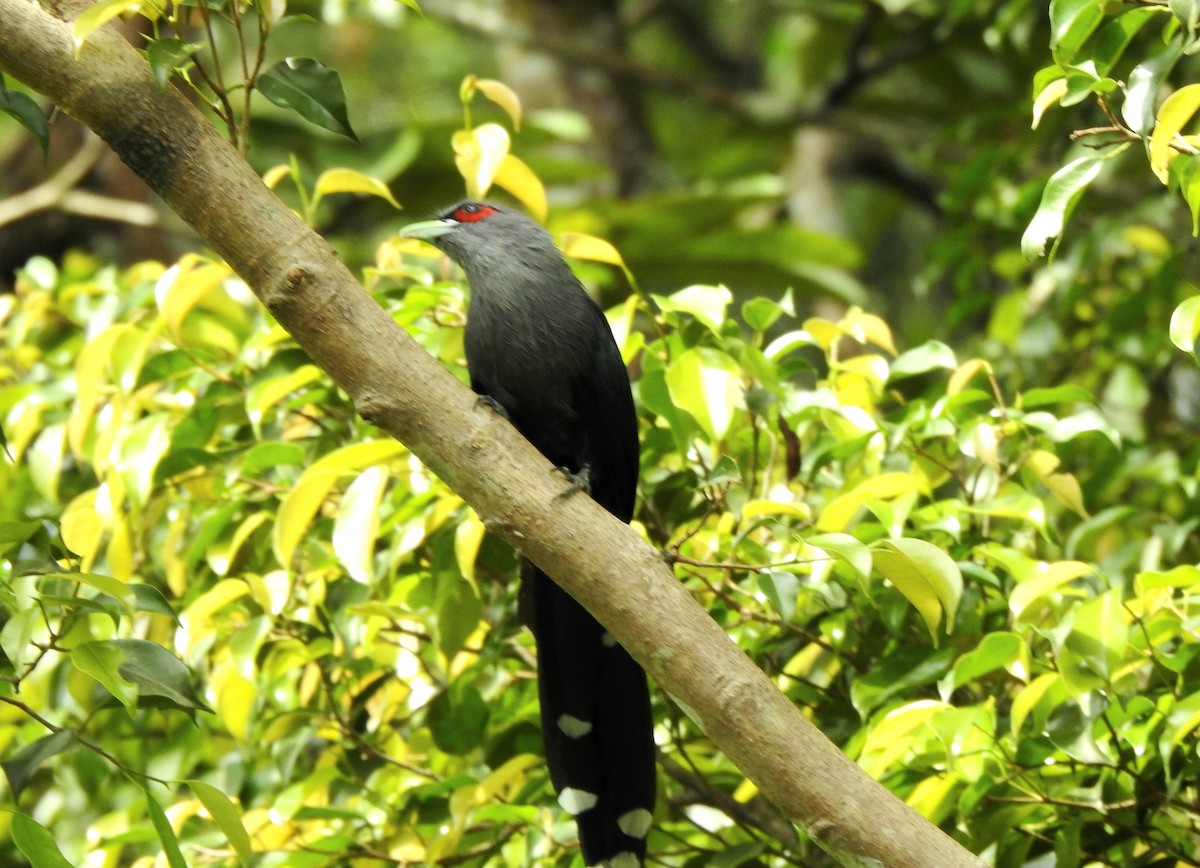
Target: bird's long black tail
596 724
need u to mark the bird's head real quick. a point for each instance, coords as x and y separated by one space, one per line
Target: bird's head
473 233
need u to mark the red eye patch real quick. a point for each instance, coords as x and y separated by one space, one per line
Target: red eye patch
472 212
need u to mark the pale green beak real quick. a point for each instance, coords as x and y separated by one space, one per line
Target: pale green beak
427 230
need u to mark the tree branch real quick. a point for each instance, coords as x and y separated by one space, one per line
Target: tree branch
396 385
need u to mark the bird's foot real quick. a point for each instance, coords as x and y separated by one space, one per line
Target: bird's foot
493 405
581 481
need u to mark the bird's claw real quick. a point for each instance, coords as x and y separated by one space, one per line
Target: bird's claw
581 481
493 405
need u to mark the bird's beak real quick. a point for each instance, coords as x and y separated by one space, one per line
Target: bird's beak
427 230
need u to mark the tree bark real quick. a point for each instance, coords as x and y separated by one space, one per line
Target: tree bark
396 385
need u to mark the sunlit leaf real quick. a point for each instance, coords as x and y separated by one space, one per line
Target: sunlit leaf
478 153
227 817
356 527
1174 114
518 179
1047 578
350 181
707 384
502 95
1185 324
706 303
1060 195
926 575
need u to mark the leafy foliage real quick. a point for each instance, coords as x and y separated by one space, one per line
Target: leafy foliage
239 626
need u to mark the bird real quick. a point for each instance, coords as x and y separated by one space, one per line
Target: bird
540 350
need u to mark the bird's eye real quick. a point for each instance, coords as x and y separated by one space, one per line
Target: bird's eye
472 212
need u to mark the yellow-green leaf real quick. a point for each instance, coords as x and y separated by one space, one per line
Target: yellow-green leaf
356 527
99 14
468 537
925 575
235 696
227 817
1050 95
267 393
964 373
838 513
581 246
1173 116
517 178
707 384
502 95
1046 578
1185 324
350 181
183 286
478 154
310 491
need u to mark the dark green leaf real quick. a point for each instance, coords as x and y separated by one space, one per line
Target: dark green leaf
158 672
21 108
168 54
311 89
458 718
20 768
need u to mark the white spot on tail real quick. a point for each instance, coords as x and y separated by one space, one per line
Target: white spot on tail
635 823
575 801
624 860
573 727
608 639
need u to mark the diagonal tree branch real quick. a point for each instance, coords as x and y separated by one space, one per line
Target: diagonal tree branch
396 385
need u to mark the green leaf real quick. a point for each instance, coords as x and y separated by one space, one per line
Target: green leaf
151 599
1068 394
781 588
926 575
1114 37
166 834
850 550
1144 84
311 89
902 669
1058 199
102 660
1006 651
36 843
919 360
761 313
457 719
20 767
133 669
168 54
158 672
706 383
227 817
705 303
21 108
1071 23
1185 324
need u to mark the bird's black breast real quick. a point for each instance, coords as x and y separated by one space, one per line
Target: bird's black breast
556 371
